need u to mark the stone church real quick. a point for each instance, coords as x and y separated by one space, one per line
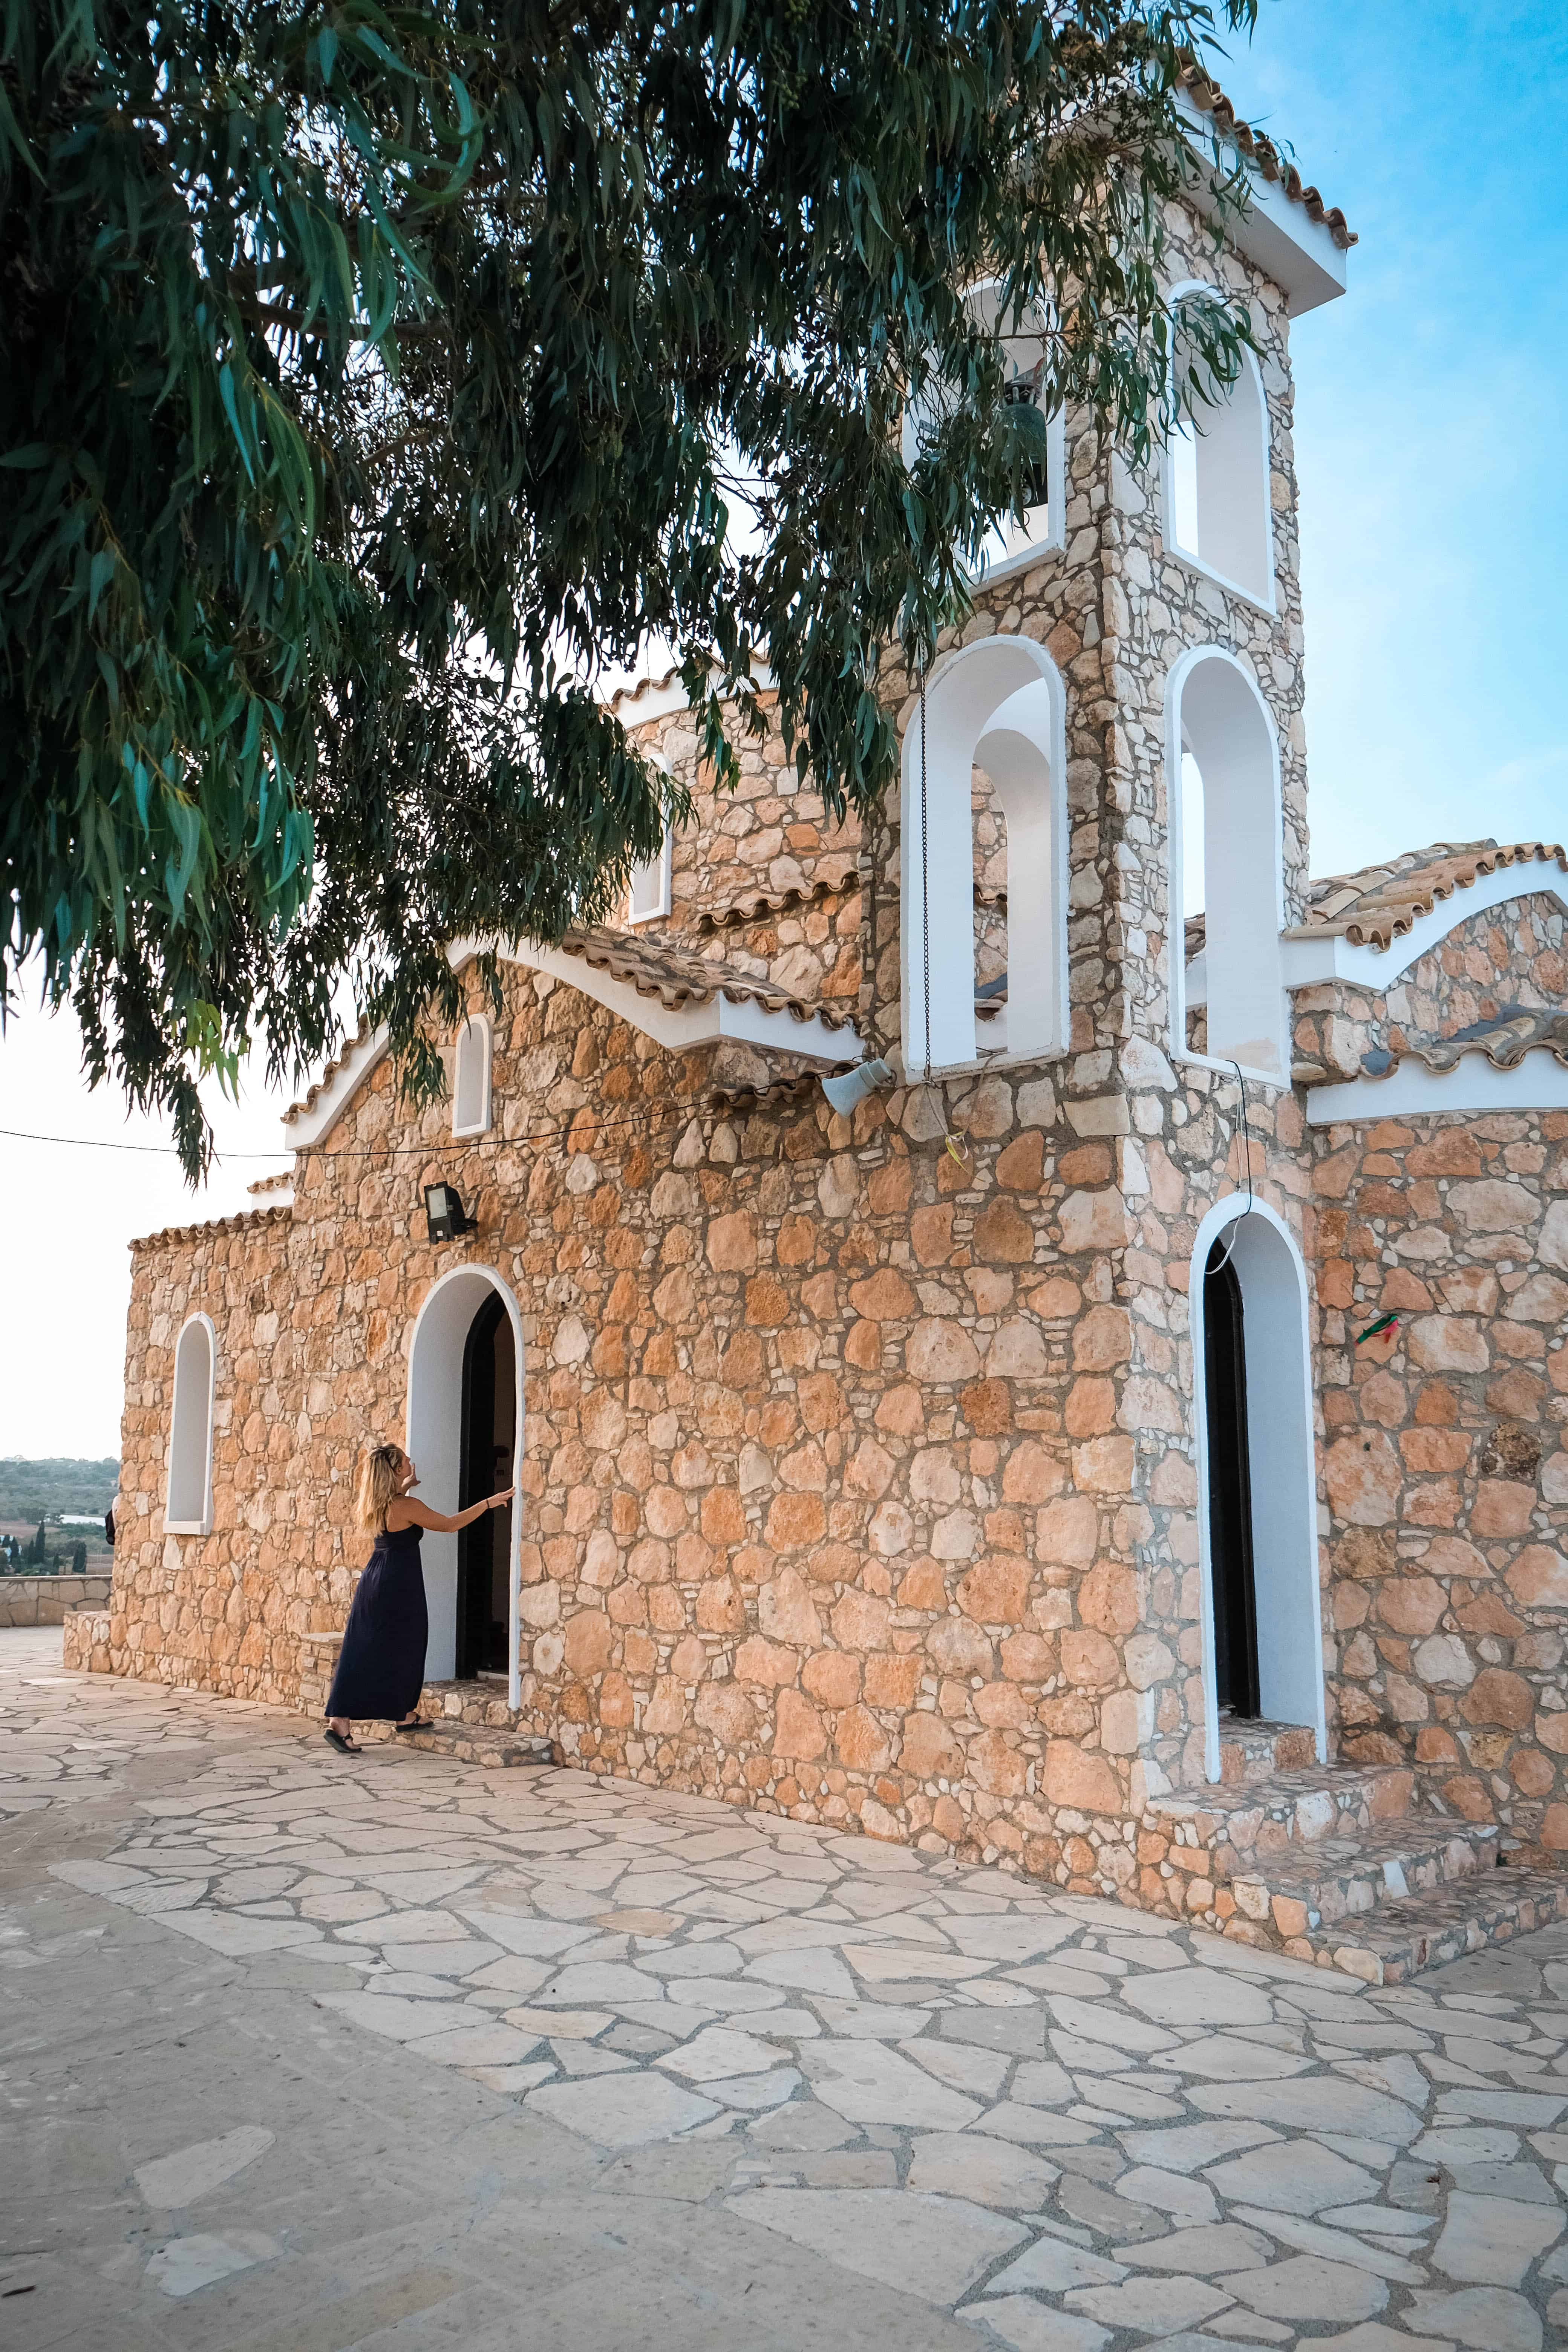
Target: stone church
1130 1446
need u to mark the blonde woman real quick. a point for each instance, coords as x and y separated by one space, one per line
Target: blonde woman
381 1666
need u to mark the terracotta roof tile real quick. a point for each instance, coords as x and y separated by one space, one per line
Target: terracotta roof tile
1262 153
768 1097
1378 904
248 1220
765 903
676 976
1504 1042
350 1047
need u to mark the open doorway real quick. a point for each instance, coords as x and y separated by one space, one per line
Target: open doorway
489 1439
464 1399
1230 1486
1258 1513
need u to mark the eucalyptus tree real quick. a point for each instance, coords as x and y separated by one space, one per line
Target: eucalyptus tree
373 379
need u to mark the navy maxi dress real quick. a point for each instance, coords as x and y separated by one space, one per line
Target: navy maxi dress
381 1666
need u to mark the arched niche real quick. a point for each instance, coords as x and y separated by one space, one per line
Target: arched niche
1271 1336
434 1438
1218 510
1220 727
996 706
471 1082
188 1496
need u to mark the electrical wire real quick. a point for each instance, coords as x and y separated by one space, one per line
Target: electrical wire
1238 1223
960 1155
352 1151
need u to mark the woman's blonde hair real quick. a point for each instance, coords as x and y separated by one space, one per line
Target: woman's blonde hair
375 1486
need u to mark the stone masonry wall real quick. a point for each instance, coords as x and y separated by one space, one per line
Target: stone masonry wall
1445 1467
827 1496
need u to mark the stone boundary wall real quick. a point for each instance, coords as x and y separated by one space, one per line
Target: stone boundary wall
45 1600
1445 1467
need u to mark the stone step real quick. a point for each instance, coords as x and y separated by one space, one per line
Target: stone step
475 1743
1229 1830
1398 1940
1307 1890
1252 1750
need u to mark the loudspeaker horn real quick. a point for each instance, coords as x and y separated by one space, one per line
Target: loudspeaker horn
852 1086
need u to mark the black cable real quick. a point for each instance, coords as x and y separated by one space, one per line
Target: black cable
1238 1223
348 1151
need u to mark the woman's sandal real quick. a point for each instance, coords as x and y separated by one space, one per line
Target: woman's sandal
345 1746
414 1723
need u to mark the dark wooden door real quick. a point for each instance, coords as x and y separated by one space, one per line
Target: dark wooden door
1230 1486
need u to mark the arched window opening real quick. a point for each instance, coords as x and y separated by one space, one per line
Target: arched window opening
984 890
1223 783
471 1087
1193 893
648 898
188 1498
990 822
1043 523
1217 483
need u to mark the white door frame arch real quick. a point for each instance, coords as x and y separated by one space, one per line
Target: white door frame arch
1010 687
434 1437
1278 1358
1243 817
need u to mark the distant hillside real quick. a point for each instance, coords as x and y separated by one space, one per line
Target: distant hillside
42 1490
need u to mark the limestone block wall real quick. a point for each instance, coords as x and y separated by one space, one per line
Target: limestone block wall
768 837
1446 1464
831 1485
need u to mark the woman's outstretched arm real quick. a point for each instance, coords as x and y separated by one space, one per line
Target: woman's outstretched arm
407 1511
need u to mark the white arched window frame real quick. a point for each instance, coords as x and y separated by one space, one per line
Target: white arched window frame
648 898
1014 543
1216 716
1218 513
998 704
647 901
188 1494
471 1078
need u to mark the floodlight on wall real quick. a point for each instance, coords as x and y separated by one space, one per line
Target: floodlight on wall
446 1218
852 1086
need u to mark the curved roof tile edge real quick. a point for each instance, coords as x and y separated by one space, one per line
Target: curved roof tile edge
1258 147
243 1221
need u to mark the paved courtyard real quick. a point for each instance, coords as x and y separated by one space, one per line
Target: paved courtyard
305 2054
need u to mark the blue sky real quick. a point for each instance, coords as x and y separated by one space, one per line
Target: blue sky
1430 413
1435 517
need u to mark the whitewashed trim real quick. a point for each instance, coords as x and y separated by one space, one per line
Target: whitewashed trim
1313 958
677 1028
182 1404
474 1036
1413 1091
661 863
1226 1212
434 1546
1277 233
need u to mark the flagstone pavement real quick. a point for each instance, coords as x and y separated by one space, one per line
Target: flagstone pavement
307 2053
